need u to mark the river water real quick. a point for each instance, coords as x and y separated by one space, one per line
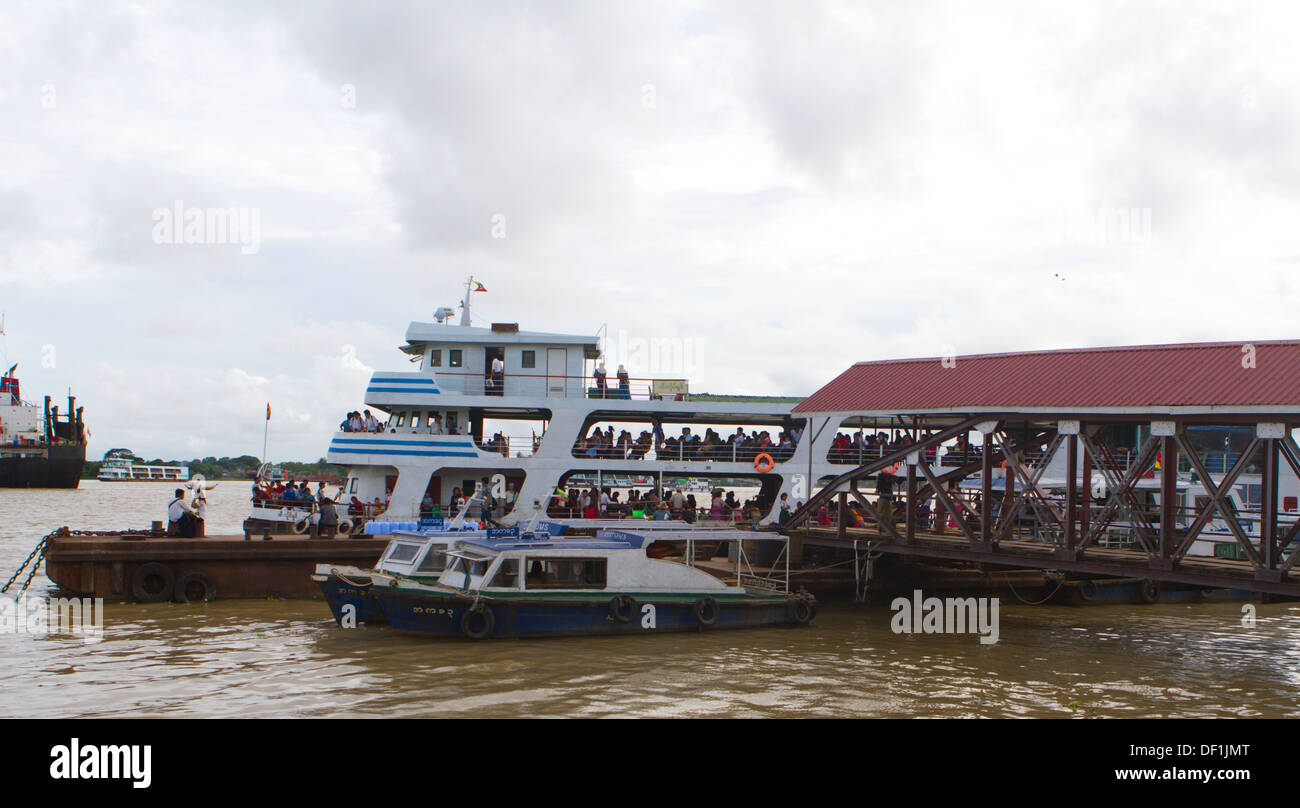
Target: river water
288 658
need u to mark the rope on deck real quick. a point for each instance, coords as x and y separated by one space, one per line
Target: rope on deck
38 555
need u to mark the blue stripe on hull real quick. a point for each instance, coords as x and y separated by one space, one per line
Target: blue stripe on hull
441 616
403 452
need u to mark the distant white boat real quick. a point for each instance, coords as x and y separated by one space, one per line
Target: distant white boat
120 467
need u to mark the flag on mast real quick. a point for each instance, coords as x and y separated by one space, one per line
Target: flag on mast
268 410
478 287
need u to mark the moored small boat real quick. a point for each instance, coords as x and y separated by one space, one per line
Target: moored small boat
530 587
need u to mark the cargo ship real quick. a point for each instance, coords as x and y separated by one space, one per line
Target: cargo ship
39 446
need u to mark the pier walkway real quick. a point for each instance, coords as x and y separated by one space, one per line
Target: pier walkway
1091 462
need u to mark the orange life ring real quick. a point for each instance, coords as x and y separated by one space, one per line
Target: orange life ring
764 463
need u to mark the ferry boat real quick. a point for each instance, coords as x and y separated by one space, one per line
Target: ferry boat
529 431
527 587
119 466
39 447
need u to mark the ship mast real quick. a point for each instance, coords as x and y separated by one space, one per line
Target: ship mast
464 315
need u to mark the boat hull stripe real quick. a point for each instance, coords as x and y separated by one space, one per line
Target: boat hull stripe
403 452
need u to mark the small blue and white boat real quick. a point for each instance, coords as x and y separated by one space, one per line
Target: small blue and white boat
536 587
414 553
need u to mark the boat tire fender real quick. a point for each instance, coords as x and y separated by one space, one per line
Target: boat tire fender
193 587
345 527
706 612
1087 591
477 622
1149 591
152 582
801 612
622 609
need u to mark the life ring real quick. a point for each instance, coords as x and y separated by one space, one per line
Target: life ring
152 582
1087 591
764 463
194 586
345 527
477 622
302 525
706 612
1149 590
622 608
801 611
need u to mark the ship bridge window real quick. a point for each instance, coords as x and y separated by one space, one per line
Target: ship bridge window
566 573
454 358
435 358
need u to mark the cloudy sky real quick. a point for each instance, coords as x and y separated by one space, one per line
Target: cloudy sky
790 187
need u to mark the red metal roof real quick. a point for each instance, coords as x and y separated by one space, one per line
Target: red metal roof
1196 374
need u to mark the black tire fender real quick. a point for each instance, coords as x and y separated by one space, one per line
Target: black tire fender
478 621
1087 591
622 608
801 611
197 580
143 578
1149 591
705 611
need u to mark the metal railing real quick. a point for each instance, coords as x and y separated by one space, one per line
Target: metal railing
679 450
613 389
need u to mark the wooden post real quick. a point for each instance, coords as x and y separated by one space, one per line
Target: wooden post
911 498
1071 490
1168 495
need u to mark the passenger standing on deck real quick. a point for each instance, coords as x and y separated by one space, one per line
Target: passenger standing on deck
435 424
599 376
624 383
371 424
498 376
785 510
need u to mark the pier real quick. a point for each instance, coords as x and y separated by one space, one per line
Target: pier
1088 462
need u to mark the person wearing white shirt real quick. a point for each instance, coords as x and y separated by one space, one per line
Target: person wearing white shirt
435 424
180 518
371 424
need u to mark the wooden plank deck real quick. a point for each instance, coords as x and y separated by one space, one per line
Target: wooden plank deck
1112 561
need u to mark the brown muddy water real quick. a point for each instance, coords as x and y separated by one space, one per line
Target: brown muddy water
288 658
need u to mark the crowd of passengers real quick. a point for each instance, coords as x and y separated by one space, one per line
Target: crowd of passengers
367 422
602 443
587 503
299 495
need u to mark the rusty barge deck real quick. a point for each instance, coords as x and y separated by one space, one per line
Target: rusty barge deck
146 567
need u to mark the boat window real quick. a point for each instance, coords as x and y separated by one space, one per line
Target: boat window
352 485
415 420
528 359
453 357
435 358
402 552
434 561
401 418
507 574
566 573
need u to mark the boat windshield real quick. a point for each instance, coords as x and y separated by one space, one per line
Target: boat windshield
402 552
